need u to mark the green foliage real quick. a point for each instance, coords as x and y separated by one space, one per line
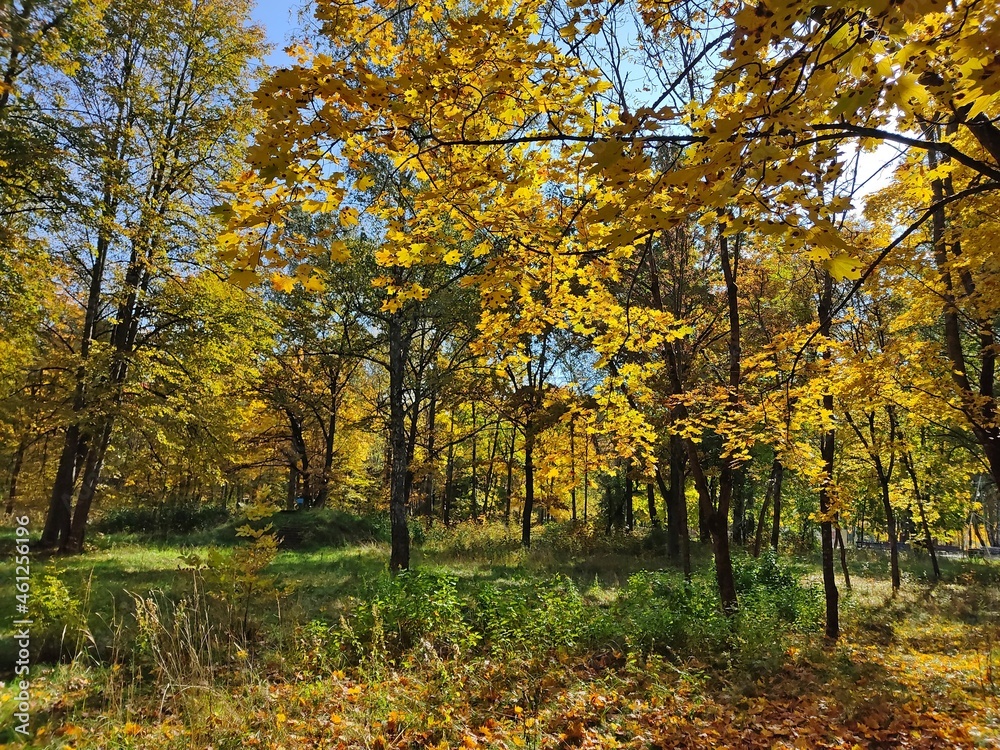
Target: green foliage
416 608
660 612
56 613
768 584
656 612
168 518
534 616
313 529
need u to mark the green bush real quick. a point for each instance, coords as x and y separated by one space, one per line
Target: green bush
412 609
170 518
310 529
656 612
766 582
531 616
660 612
57 617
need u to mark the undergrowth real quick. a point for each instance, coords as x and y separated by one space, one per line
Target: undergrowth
488 643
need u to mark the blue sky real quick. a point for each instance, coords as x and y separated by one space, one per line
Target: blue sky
278 19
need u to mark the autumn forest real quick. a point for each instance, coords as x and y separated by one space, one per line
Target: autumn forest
500 373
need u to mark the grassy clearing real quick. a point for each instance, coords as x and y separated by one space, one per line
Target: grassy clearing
582 641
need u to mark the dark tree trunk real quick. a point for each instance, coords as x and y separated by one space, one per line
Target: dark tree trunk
672 532
299 445
429 481
827 452
654 520
411 444
776 521
328 452
399 558
678 536
765 506
572 470
474 506
529 484
609 504
88 488
15 473
918 496
628 506
704 534
739 507
718 519
491 470
293 486
57 520
843 558
449 485
979 402
509 488
890 525
831 594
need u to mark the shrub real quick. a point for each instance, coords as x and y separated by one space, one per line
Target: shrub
538 616
56 614
408 609
170 518
768 583
314 528
660 612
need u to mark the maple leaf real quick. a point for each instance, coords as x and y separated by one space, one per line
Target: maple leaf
843 266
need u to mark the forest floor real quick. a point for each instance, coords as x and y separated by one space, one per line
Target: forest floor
335 655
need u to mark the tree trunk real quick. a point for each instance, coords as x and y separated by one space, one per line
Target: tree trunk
57 520
15 473
827 452
529 484
739 507
654 520
328 452
843 558
88 488
572 470
776 523
678 535
474 506
449 482
399 558
429 481
293 486
718 520
491 470
918 496
979 403
510 476
768 496
890 524
628 504
704 534
672 532
299 445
